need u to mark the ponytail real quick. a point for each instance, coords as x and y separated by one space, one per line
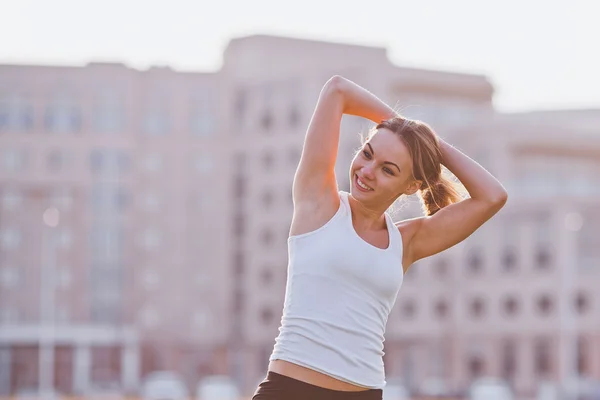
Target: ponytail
439 194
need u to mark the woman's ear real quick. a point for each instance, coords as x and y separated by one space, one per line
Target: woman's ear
413 187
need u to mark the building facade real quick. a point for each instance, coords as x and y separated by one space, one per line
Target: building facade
173 197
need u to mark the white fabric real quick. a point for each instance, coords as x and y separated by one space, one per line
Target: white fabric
340 291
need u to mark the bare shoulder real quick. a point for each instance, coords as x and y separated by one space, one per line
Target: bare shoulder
407 229
314 212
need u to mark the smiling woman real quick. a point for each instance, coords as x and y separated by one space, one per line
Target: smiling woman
346 252
418 144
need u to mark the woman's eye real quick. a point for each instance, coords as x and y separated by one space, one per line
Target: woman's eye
366 154
388 171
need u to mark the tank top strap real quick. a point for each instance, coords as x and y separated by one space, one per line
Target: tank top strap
344 203
395 237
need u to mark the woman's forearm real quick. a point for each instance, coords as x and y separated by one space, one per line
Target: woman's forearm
477 180
360 102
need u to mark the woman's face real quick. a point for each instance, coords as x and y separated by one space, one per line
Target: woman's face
384 165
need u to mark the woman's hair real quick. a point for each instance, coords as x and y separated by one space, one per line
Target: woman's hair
437 191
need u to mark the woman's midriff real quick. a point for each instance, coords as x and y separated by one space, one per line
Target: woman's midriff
313 377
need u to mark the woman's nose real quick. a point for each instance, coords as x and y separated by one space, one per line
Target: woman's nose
368 172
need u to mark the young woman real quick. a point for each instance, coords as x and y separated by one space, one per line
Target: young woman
347 258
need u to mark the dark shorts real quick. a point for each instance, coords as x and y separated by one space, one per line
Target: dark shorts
280 387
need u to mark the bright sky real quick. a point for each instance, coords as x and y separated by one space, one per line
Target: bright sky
539 54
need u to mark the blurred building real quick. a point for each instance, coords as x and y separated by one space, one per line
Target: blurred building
173 191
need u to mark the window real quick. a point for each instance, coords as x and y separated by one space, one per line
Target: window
105 312
294 116
13 160
152 163
201 319
544 304
509 259
266 275
149 317
107 243
511 306
8 315
441 308
238 263
108 112
61 198
477 307
541 353
582 303
268 160
150 280
57 161
240 105
15 114
62 117
202 164
547 175
202 124
11 199
266 121
475 366
150 239
543 259
64 239
201 112
241 162
9 277
9 238
63 277
107 197
156 124
409 308
62 314
475 261
267 236
109 162
588 241
509 359
583 351
201 279
156 119
267 198
239 187
267 316
150 202
239 225
239 301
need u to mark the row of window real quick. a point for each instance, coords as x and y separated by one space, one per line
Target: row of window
475 265
149 317
9 315
108 161
258 102
103 198
510 306
477 364
70 119
12 239
11 277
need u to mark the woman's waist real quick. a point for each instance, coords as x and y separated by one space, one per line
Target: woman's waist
312 377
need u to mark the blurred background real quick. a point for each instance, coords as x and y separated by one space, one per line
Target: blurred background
147 152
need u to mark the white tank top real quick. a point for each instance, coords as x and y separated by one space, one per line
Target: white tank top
339 293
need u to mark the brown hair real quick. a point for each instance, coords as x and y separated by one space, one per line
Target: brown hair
437 191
